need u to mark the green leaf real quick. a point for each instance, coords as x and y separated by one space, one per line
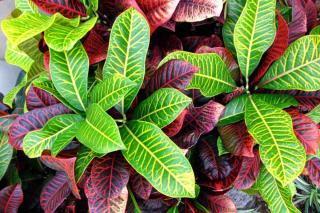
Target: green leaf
6 151
213 77
26 6
10 96
84 158
162 107
128 46
17 57
99 131
26 26
278 197
153 155
65 33
111 90
315 114
221 148
297 69
315 31
57 133
234 9
69 72
254 33
280 151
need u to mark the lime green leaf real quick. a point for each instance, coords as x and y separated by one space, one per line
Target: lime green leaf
111 90
297 69
84 158
57 133
6 151
221 148
128 46
17 57
213 77
315 114
10 96
65 33
26 26
278 197
26 6
315 31
162 107
280 151
99 131
153 155
69 72
254 33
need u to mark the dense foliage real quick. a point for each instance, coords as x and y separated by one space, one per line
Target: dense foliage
161 105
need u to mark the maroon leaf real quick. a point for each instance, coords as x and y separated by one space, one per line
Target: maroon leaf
54 192
298 25
38 98
33 120
176 74
235 93
197 10
237 139
98 203
68 8
192 43
306 131
96 44
11 198
277 49
198 121
65 165
46 61
220 204
170 25
249 172
313 167
222 171
188 207
140 186
174 128
312 13
110 174
158 12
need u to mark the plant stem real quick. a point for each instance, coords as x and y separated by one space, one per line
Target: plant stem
200 206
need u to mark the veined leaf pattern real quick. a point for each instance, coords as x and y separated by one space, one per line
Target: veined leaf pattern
26 6
11 198
315 114
69 72
280 151
162 107
212 79
158 159
37 98
99 131
297 69
6 151
128 45
254 33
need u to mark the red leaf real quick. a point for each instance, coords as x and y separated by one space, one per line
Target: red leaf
298 25
110 174
140 186
176 74
197 10
33 120
306 131
157 12
96 44
237 139
170 25
174 128
54 193
220 204
222 171
65 165
38 98
46 61
198 121
192 43
277 49
235 93
249 172
11 198
313 167
312 14
68 8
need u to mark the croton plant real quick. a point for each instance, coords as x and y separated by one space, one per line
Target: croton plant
159 105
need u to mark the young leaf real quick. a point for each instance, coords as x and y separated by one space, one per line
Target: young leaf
277 196
254 33
128 45
313 167
6 151
162 107
158 159
26 6
280 151
213 77
110 91
11 198
54 192
38 98
99 131
69 72
296 73
315 114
